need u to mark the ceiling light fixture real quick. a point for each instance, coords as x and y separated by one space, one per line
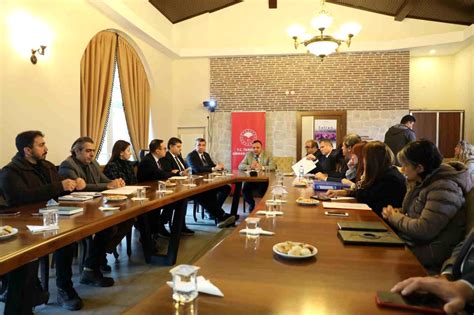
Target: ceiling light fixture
322 44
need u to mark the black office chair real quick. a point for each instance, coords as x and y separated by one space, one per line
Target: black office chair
142 154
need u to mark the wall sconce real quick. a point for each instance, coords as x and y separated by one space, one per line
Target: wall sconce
39 51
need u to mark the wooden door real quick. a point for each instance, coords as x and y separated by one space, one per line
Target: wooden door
425 126
450 132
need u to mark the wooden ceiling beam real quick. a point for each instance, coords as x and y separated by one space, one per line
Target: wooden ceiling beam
272 4
405 9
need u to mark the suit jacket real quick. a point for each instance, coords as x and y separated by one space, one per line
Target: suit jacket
72 168
195 162
148 170
326 165
169 163
265 160
460 263
21 183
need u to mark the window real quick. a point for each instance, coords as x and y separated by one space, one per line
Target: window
116 126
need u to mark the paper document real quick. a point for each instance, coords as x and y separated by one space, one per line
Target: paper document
127 190
308 166
346 206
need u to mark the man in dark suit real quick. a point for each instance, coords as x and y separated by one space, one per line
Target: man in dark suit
174 162
200 162
326 161
150 168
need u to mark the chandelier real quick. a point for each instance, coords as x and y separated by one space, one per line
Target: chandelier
323 44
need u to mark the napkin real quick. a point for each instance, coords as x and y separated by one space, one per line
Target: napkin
264 212
139 199
108 208
204 286
41 228
260 231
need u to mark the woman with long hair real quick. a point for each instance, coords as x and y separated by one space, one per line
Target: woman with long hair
119 165
381 184
431 219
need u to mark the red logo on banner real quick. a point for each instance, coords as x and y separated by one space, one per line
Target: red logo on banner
246 128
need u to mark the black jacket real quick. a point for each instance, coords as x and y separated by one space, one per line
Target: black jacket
169 163
397 137
149 170
21 183
326 165
388 189
197 165
121 169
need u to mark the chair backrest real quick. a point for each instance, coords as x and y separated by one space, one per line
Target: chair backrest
283 163
142 154
469 207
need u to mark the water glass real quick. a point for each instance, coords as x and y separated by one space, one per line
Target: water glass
271 208
50 217
184 283
252 227
161 187
141 193
190 177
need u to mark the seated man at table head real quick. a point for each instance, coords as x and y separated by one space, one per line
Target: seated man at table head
150 167
29 178
257 159
200 161
82 164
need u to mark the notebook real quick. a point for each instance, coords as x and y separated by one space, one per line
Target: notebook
62 210
324 185
369 238
361 226
75 198
346 206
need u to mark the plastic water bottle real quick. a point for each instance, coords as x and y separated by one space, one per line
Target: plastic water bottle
301 172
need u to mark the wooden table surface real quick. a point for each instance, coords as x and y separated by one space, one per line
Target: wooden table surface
341 280
26 246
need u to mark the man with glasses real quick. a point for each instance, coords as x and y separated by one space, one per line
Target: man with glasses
257 159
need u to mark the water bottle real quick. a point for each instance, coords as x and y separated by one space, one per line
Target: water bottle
301 172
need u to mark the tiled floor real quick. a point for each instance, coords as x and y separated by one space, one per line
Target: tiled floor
134 279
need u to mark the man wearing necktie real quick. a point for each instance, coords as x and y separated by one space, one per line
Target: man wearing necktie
173 162
257 159
200 162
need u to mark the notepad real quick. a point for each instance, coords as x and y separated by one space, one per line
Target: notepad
370 238
127 190
362 226
62 210
346 206
75 198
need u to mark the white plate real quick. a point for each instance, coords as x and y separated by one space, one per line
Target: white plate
314 250
168 184
115 198
178 177
15 231
165 191
307 203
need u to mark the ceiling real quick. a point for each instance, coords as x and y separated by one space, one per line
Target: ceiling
448 11
179 10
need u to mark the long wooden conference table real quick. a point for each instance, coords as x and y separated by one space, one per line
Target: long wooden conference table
341 280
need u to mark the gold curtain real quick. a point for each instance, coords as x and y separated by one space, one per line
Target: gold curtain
135 94
97 75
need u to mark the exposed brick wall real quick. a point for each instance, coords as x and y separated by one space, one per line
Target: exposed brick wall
369 80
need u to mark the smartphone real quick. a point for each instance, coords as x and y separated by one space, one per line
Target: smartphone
321 197
336 213
419 302
9 213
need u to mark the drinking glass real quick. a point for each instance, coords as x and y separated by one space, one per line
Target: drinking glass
184 283
50 217
252 227
161 187
141 193
271 208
